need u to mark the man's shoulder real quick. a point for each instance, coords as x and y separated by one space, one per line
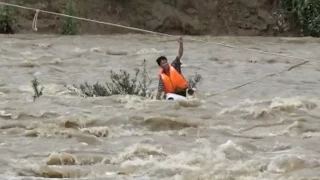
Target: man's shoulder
176 64
176 60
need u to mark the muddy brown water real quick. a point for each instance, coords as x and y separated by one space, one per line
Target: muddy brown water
266 130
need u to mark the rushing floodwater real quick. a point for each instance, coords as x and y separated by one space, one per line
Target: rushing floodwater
267 130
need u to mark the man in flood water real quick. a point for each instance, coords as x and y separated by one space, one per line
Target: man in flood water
171 79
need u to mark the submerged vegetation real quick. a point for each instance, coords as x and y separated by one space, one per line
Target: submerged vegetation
123 83
35 86
306 12
193 81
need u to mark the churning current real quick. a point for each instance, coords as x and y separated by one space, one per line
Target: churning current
268 130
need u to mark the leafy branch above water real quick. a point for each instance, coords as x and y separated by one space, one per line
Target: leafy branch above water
193 81
36 90
121 83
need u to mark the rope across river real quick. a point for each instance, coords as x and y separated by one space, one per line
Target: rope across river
305 60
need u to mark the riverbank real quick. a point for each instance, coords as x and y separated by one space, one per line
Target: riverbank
216 17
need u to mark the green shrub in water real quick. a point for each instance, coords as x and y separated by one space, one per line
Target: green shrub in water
121 83
70 26
126 83
193 81
35 86
6 20
307 12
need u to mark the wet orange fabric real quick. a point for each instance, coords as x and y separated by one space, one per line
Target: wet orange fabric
173 81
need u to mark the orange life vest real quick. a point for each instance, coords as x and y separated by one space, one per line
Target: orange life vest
173 81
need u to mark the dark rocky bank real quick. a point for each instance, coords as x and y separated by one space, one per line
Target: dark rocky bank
192 17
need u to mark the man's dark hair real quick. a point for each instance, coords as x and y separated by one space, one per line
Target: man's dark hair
161 58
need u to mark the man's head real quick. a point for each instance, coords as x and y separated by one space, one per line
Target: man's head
163 62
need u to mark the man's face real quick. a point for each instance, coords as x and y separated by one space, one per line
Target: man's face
164 64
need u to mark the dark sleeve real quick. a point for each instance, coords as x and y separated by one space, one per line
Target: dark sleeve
177 64
160 85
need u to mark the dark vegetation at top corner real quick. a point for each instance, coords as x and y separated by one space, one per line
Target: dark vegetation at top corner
7 20
8 23
307 13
